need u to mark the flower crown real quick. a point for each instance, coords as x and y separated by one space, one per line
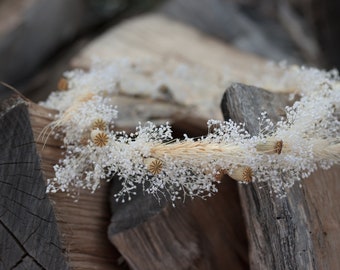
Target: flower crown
306 139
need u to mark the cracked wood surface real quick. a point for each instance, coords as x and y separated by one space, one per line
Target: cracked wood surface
302 230
83 224
29 236
39 231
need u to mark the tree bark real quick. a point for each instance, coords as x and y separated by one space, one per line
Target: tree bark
300 231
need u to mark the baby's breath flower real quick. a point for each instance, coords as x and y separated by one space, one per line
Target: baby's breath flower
280 155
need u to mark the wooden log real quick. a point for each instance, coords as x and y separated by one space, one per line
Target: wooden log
124 43
47 26
29 237
300 231
166 46
209 234
214 227
197 234
249 25
83 223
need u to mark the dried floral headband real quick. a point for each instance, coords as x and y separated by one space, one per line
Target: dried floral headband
307 139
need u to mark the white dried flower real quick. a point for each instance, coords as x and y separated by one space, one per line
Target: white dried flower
279 155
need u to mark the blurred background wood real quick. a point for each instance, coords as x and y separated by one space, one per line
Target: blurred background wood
166 46
39 37
242 24
322 20
301 230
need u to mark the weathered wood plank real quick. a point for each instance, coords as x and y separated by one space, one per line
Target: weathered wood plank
28 231
292 232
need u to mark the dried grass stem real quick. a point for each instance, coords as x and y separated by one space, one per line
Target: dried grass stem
188 150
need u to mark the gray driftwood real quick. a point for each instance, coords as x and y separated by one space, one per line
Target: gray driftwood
301 231
29 238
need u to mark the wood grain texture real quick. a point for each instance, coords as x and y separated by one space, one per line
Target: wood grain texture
300 231
210 234
29 235
200 234
197 234
83 224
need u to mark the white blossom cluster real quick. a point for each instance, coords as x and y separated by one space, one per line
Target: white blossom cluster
280 155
